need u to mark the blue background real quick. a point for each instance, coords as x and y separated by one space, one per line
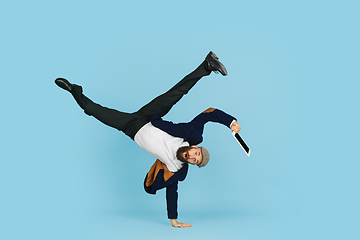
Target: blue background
293 84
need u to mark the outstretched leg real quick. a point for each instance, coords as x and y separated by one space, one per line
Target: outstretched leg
162 104
110 117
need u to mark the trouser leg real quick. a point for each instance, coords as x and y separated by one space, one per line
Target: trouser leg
162 104
110 117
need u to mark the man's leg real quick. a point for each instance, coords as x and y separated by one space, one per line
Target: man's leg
162 104
110 117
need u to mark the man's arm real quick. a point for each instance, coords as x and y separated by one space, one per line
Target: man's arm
192 131
215 115
171 201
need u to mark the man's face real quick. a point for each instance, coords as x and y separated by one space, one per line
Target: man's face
194 155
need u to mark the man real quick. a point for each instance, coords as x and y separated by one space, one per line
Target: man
174 145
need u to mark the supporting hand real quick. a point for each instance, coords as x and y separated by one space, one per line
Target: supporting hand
175 223
235 127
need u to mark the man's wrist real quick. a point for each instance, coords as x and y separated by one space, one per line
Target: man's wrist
173 222
233 121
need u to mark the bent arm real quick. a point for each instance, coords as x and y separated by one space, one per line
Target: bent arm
213 115
192 131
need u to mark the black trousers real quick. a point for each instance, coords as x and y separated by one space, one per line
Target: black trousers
130 123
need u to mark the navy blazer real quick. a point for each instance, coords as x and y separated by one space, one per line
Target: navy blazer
159 176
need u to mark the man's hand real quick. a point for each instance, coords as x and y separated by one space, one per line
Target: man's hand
235 127
175 223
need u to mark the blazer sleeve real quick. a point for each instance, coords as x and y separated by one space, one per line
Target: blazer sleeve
174 129
192 131
171 200
212 115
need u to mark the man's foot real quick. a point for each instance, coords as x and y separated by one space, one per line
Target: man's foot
64 84
214 64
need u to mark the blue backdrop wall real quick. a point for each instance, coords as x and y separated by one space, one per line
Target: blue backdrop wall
293 85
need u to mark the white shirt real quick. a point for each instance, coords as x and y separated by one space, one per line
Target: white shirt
161 145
